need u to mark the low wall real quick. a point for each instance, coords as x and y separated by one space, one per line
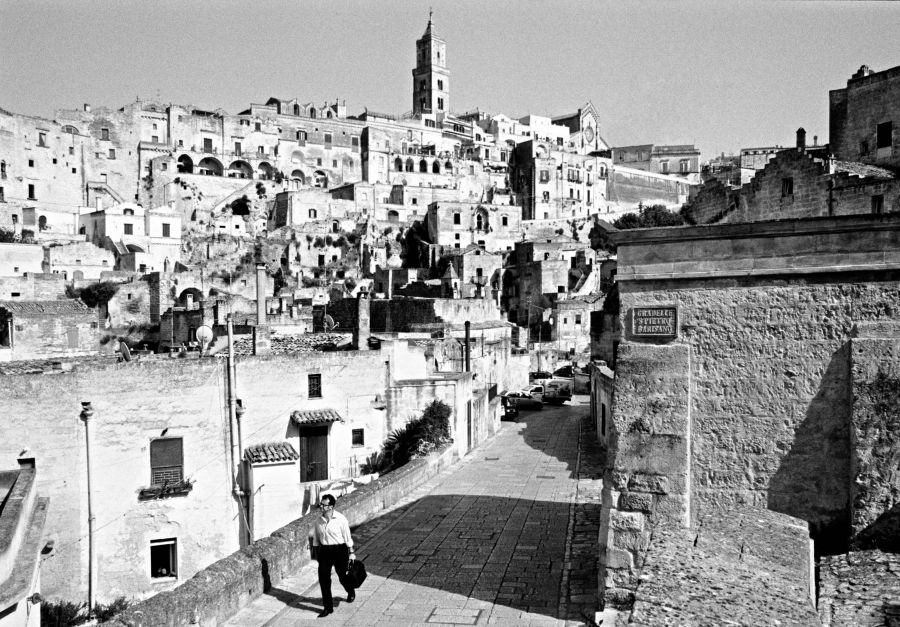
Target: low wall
218 592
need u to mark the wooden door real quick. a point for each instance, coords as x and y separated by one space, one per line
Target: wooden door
313 453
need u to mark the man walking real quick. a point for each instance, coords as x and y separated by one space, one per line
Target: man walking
334 549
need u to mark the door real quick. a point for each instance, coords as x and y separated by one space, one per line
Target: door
469 425
313 453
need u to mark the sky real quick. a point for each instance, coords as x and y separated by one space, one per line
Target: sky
721 75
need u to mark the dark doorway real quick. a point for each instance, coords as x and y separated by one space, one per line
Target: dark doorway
313 453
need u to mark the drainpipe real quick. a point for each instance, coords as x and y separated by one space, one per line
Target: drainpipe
87 411
232 417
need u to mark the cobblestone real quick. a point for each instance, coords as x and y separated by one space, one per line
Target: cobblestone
506 537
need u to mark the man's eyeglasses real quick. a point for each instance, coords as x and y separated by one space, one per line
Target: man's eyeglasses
323 505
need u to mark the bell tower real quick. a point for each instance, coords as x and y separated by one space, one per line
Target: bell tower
431 78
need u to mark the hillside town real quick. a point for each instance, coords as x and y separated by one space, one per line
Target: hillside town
209 319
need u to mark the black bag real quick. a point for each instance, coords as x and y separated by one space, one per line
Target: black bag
356 573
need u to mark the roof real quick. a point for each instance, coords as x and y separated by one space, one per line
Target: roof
45 307
314 416
863 170
270 452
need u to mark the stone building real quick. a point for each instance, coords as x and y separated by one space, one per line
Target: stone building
799 183
78 260
679 160
864 118
755 379
454 225
47 328
19 259
22 517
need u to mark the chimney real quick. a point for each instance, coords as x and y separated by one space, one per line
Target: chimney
87 108
801 139
815 140
361 331
468 347
260 294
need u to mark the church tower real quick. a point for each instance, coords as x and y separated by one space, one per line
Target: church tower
431 78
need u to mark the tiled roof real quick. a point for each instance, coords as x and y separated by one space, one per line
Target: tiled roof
313 416
270 452
863 169
45 307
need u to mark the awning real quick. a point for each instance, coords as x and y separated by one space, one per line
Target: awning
270 452
315 416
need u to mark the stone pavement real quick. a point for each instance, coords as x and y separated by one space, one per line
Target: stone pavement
506 537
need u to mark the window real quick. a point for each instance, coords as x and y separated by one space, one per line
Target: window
257 126
74 170
42 139
504 221
664 167
207 144
787 187
31 163
164 166
334 163
31 195
327 138
128 229
319 161
864 147
2 169
878 204
440 104
577 318
457 219
112 153
2 195
354 141
104 133
166 230
163 558
545 176
237 148
155 139
430 123
315 383
358 437
560 289
440 84
166 461
456 235
546 196
684 166
883 135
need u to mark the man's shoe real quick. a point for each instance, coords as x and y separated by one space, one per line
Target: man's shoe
351 597
325 613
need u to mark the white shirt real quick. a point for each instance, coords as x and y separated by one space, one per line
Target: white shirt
334 531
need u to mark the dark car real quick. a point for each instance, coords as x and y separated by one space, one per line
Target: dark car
564 372
538 376
522 400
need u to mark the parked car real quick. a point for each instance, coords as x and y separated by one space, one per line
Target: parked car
557 391
538 376
565 372
523 399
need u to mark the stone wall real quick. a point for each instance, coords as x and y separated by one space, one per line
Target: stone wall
219 591
401 314
751 567
33 286
858 588
875 521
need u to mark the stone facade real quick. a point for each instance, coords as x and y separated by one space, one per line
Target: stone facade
864 118
41 329
859 588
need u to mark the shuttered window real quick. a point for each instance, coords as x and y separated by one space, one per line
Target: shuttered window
166 461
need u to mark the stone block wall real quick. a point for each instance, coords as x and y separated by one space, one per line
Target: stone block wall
647 478
219 591
859 588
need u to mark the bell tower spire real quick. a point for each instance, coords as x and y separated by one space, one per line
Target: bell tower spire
431 78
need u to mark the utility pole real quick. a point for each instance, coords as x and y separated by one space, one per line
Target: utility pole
233 419
87 411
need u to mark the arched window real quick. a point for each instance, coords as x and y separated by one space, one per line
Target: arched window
312 113
296 109
436 167
479 222
423 166
409 165
448 168
335 227
398 164
328 115
312 214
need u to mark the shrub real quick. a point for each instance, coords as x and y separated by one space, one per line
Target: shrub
66 613
98 293
418 438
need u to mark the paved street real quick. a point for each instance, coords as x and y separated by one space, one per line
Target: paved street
507 537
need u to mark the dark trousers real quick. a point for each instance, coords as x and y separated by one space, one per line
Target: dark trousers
335 556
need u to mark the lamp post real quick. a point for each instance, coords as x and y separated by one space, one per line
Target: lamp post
87 411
